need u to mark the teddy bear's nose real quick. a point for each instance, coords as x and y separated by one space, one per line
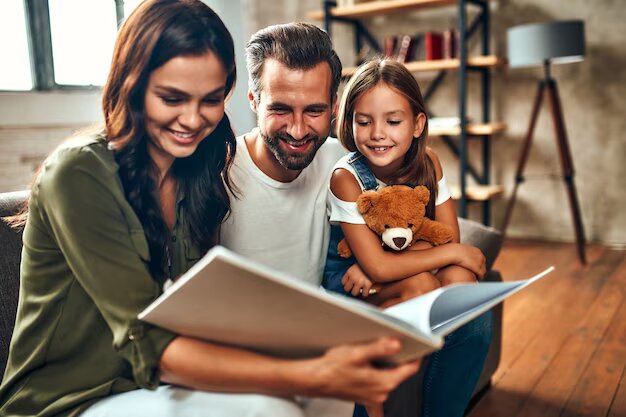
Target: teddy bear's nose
399 241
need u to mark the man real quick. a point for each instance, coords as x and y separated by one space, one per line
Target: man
282 171
282 168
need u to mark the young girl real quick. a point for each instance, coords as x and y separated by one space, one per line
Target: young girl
382 121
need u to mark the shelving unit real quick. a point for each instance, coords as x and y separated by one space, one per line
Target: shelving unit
477 129
376 8
443 64
455 137
478 192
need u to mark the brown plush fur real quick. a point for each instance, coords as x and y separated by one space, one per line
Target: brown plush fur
402 207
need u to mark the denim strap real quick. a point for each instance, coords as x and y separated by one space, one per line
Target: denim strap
365 174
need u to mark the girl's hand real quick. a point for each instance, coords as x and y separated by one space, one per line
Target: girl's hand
356 282
470 257
346 372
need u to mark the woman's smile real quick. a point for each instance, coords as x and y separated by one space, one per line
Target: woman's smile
183 138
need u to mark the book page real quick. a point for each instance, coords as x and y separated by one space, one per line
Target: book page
441 311
415 311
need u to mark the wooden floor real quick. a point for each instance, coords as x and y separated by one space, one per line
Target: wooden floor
564 338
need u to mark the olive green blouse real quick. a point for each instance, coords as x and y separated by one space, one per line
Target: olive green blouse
84 279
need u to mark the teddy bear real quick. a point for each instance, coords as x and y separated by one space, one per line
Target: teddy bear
397 214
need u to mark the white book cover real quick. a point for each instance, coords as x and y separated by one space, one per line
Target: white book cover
228 299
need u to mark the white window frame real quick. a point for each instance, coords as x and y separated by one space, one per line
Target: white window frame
40 42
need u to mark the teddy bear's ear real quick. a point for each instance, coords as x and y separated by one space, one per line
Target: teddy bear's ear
422 193
366 201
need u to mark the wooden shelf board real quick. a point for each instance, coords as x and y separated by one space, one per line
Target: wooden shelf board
374 8
472 129
443 64
477 192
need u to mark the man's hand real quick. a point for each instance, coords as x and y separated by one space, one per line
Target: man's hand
356 282
346 372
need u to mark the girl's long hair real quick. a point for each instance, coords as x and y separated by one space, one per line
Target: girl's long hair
417 168
157 31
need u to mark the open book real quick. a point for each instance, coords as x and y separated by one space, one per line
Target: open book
229 299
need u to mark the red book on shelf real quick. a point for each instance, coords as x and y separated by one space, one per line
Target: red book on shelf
433 43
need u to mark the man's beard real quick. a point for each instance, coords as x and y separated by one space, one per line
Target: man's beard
294 161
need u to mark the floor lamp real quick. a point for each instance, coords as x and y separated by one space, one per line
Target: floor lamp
545 44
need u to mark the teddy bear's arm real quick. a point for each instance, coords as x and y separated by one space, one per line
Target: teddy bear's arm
435 232
343 249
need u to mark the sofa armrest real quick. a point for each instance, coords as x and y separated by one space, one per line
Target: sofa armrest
10 254
485 238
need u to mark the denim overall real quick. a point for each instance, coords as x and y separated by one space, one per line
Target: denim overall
336 266
452 372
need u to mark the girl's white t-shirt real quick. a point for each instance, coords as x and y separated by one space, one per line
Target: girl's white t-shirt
347 212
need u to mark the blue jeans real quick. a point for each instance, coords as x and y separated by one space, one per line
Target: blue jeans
452 373
336 266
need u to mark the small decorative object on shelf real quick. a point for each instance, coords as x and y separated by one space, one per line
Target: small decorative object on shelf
450 44
407 48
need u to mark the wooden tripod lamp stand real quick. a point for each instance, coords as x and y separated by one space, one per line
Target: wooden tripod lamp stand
545 44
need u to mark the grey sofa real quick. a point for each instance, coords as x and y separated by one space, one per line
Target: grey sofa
487 239
10 255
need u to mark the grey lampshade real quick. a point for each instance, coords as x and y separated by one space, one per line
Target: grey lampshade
555 42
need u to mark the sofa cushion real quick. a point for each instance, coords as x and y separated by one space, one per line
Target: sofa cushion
487 239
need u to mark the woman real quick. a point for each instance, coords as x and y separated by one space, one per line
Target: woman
114 215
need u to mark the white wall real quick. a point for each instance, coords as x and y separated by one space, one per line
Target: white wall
238 109
32 124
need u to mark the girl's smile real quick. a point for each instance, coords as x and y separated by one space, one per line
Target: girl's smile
380 149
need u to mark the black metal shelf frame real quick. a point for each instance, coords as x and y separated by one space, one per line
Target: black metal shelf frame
458 148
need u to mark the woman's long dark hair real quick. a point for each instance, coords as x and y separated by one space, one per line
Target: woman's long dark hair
157 31
417 168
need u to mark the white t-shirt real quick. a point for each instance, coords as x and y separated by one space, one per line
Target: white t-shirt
347 212
282 225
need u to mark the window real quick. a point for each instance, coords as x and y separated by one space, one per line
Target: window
82 34
15 72
58 44
130 5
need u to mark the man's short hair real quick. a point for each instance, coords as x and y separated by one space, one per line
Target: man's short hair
299 46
